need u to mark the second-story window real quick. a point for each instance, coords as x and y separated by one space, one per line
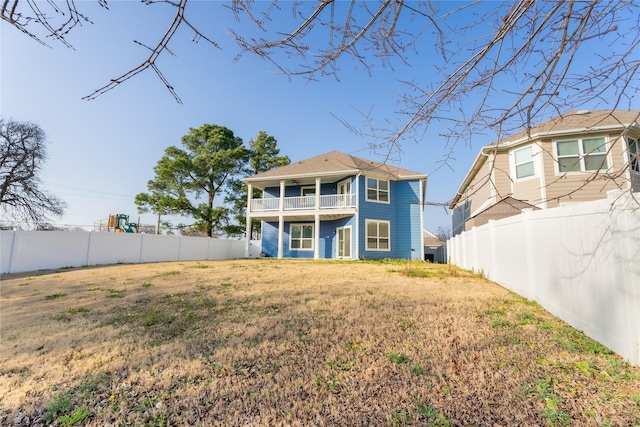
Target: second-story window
377 190
523 160
581 155
307 191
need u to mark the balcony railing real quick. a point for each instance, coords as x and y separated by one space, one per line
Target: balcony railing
330 201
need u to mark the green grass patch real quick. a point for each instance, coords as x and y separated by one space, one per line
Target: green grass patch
58 406
55 296
417 369
501 323
116 293
398 358
165 318
169 273
78 415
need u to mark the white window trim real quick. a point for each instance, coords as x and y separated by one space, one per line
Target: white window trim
512 162
366 188
308 187
582 155
312 238
366 237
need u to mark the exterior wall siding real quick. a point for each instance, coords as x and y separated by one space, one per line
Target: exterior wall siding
270 239
328 238
480 188
528 190
408 211
479 192
502 177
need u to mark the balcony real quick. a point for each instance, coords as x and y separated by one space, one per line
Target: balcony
304 203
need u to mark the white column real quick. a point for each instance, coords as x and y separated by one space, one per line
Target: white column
281 221
280 237
282 195
422 185
355 248
316 228
248 225
316 237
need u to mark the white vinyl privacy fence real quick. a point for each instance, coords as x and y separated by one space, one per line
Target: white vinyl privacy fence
581 262
22 251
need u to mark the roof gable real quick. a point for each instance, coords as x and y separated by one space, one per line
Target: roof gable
335 162
576 121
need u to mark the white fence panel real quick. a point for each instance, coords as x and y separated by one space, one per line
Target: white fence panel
155 248
40 250
192 248
112 248
6 249
52 249
581 262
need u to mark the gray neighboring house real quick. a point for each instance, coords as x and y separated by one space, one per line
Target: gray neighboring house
435 250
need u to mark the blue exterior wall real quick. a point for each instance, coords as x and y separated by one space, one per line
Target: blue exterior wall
403 212
408 212
376 211
327 238
295 190
270 239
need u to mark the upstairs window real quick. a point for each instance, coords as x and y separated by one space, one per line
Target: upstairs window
301 237
581 155
307 191
523 160
634 161
377 190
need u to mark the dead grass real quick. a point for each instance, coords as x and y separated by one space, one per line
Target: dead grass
299 343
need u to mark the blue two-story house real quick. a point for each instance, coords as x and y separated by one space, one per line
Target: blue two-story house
339 206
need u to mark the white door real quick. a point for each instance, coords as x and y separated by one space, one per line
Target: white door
344 193
344 242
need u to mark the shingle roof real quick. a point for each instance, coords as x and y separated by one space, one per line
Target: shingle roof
582 121
337 162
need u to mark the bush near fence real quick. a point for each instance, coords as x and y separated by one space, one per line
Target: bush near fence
581 262
22 251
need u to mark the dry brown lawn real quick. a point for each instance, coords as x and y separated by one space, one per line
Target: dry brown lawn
296 343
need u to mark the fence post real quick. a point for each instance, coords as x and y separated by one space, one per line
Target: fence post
529 258
474 259
492 274
141 255
13 247
88 248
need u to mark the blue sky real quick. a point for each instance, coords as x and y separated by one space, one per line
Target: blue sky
101 153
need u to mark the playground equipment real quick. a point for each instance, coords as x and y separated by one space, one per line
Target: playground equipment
118 223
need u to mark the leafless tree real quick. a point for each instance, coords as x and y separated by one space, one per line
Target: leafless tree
488 67
22 152
443 233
